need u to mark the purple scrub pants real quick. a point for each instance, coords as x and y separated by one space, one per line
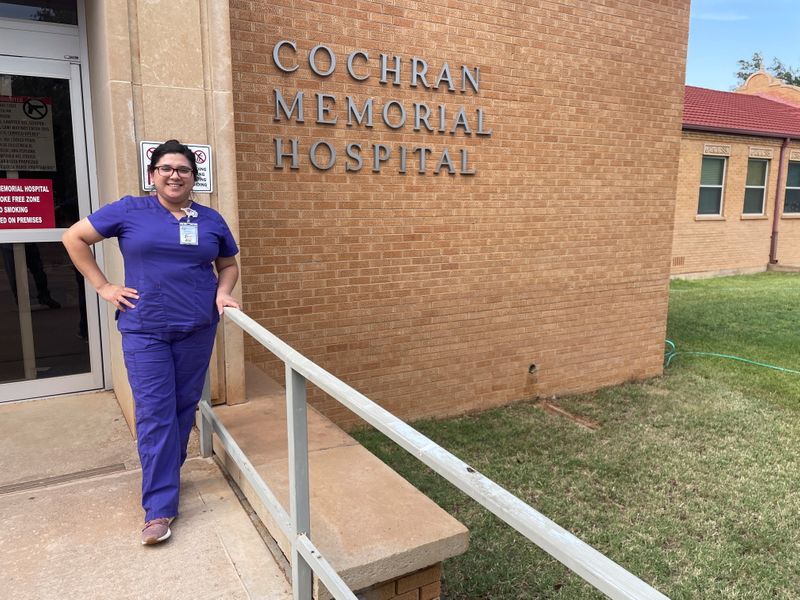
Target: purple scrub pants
166 372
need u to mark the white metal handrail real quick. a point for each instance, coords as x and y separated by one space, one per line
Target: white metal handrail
597 569
305 556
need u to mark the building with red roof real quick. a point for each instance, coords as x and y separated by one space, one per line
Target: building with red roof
738 113
738 194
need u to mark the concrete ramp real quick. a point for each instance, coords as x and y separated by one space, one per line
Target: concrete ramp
70 529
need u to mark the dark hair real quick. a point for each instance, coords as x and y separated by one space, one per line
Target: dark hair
173 147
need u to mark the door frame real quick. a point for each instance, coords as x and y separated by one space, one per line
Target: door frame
50 50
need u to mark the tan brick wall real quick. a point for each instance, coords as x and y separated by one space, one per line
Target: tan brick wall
734 242
432 294
424 584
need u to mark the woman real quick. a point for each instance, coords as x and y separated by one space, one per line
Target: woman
167 312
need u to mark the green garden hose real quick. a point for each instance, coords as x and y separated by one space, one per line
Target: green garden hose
672 351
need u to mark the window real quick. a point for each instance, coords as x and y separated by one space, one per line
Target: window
755 187
50 11
712 177
792 202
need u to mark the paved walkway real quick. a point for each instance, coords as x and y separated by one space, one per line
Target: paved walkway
69 500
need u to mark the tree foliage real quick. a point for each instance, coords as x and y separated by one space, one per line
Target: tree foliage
783 72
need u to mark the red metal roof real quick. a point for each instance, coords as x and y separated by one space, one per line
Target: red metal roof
712 110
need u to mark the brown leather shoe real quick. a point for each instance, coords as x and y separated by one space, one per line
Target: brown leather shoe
156 531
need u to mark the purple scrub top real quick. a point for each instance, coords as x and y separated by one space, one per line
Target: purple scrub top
176 283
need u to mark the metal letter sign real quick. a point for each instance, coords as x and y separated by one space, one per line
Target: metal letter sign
202 155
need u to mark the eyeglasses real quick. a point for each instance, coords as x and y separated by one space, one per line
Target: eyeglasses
167 171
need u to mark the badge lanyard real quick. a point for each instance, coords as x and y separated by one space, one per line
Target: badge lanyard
188 231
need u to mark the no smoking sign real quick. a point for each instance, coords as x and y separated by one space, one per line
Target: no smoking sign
202 155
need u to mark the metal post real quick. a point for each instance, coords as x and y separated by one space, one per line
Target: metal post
204 424
297 426
21 268
24 311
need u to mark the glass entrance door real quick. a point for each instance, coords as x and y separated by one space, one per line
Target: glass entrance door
49 320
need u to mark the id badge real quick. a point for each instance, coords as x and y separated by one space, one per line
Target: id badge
188 234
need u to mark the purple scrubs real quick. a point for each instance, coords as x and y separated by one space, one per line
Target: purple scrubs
167 339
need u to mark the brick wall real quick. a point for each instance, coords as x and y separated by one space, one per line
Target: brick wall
433 294
425 584
734 242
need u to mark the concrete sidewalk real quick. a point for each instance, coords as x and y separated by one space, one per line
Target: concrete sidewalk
69 500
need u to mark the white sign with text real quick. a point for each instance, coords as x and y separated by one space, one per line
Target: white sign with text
202 154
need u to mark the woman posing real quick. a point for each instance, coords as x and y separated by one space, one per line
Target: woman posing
167 312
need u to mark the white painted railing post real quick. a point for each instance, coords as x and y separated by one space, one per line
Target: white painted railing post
205 428
297 426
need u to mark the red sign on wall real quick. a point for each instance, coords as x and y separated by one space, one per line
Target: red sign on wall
26 204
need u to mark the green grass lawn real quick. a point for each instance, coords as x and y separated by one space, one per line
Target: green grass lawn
691 482
754 317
